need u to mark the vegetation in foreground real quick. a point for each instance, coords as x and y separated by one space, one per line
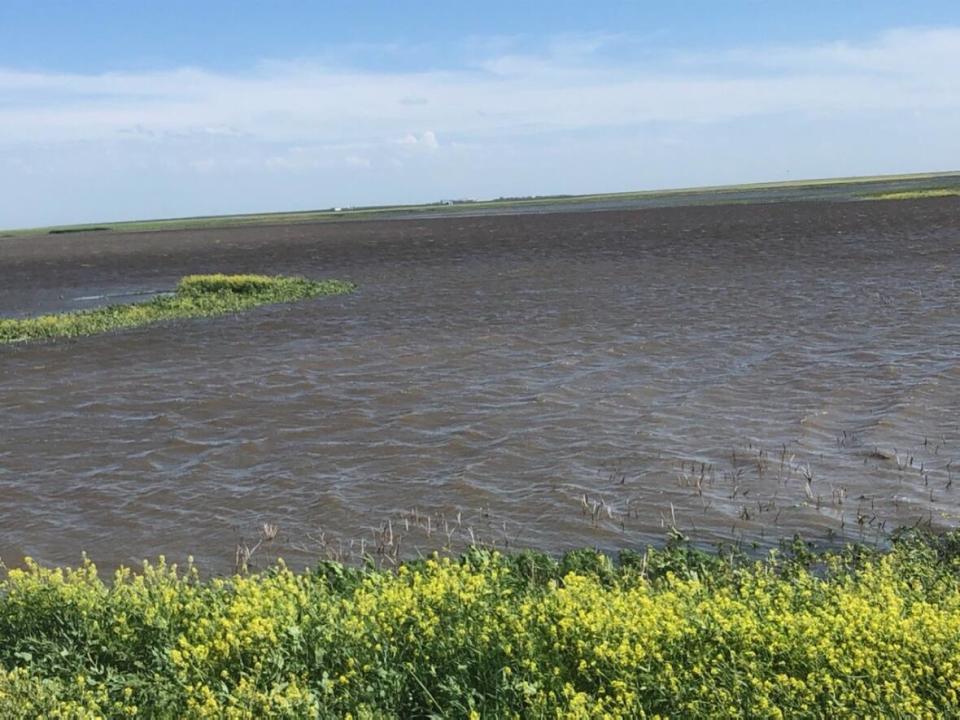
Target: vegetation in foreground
195 296
663 633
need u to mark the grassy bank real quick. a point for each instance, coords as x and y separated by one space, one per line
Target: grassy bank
673 632
195 296
916 194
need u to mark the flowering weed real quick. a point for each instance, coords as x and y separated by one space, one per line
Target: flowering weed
662 633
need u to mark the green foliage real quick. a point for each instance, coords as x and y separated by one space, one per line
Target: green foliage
195 296
673 632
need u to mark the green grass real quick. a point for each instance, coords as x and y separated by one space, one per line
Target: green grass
916 194
195 296
848 188
660 633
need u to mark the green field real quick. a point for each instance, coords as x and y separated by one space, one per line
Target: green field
837 189
195 296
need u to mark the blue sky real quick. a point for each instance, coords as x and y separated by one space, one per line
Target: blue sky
124 110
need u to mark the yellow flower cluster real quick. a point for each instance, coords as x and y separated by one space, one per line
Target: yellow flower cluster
858 635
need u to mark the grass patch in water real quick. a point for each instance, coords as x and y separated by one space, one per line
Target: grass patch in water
195 296
67 230
675 632
916 194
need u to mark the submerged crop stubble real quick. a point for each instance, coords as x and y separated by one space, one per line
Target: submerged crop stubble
195 296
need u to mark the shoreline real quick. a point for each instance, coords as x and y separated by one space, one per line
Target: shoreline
844 189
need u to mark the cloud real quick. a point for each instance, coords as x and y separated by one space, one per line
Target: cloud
426 140
920 54
512 93
574 97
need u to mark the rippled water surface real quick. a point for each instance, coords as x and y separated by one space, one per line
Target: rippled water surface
550 381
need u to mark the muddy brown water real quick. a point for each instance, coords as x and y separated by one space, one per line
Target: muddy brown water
549 381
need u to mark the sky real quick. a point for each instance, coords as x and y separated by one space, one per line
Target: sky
117 110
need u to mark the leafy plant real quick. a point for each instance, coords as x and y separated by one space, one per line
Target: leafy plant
677 632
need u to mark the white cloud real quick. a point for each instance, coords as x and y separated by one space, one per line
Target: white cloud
427 140
301 102
568 100
918 53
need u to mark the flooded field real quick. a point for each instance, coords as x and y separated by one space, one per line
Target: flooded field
739 372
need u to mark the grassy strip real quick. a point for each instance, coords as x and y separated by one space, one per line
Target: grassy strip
674 632
916 194
195 296
68 230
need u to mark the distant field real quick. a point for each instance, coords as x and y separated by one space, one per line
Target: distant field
881 187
